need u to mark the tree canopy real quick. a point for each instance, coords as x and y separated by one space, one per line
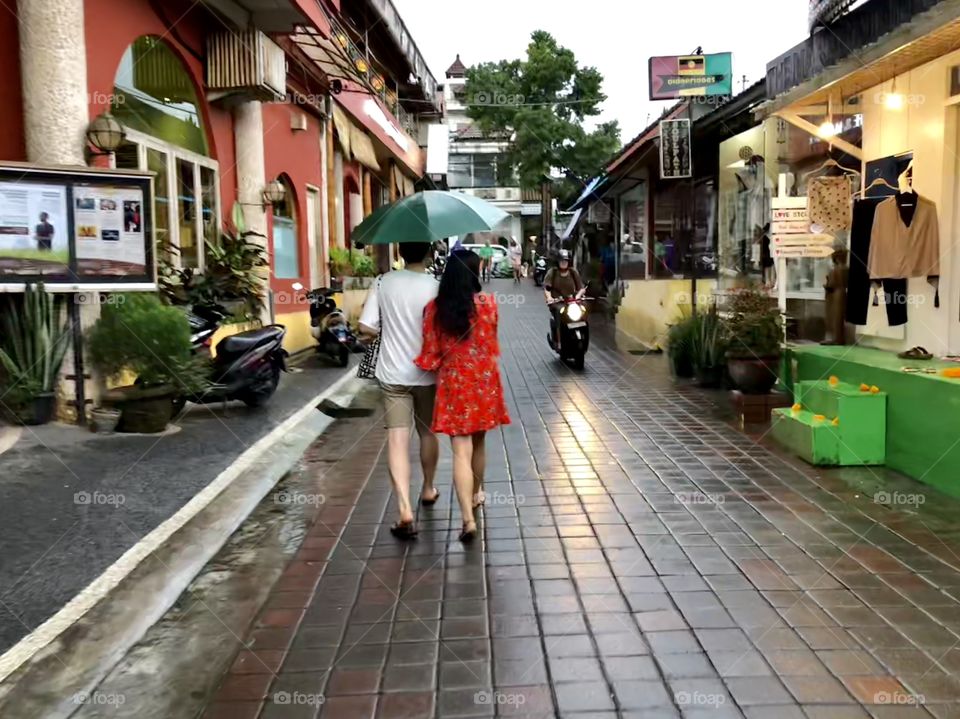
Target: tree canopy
541 103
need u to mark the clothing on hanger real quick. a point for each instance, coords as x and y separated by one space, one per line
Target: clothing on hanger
905 239
828 201
858 283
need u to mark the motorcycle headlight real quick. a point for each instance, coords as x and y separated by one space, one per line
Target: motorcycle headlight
575 312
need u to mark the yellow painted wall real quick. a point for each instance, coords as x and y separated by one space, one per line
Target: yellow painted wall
928 127
650 306
298 331
352 304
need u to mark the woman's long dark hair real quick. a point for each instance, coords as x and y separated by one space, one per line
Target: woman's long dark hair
455 298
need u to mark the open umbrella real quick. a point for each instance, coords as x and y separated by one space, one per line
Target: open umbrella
427 217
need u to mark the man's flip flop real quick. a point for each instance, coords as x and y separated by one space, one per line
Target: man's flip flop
916 353
404 530
430 502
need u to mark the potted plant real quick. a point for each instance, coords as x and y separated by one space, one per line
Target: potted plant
708 338
680 345
233 275
33 342
138 336
756 332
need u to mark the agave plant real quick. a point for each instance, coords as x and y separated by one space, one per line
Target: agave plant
33 342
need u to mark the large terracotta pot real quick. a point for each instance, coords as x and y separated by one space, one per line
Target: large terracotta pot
754 375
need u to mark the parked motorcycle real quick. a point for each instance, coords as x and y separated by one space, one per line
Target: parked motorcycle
571 333
329 326
539 270
247 365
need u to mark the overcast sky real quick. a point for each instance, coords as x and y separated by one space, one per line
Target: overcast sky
616 36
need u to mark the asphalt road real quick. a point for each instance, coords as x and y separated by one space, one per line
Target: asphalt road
71 502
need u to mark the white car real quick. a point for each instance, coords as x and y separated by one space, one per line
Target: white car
499 255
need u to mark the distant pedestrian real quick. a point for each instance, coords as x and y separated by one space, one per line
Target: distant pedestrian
460 344
395 310
486 261
516 260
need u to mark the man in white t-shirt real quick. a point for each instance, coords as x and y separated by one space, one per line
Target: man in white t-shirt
394 309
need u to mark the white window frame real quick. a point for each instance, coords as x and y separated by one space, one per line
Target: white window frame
173 153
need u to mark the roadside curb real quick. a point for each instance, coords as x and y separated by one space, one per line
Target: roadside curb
75 648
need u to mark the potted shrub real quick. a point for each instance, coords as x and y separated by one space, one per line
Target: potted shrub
137 336
756 332
708 338
233 276
680 346
34 338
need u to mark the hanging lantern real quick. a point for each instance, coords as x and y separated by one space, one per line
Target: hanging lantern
377 82
342 40
274 193
105 133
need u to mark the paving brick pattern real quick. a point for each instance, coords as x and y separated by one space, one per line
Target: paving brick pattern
640 558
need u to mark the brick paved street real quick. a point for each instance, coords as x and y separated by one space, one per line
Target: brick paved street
640 558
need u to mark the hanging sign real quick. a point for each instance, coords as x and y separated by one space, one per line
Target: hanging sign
677 76
676 154
81 229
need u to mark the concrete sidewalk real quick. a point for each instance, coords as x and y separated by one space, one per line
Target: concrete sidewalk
71 502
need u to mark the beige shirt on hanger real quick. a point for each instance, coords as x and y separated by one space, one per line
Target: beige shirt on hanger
901 252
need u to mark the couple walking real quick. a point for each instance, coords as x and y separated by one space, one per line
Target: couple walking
438 368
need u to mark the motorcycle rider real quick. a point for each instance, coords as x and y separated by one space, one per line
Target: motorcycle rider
561 282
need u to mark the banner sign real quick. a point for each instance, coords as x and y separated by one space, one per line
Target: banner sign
676 153
80 227
677 76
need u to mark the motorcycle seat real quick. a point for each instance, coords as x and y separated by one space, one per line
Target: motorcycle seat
246 341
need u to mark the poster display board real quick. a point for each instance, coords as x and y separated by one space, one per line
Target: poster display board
676 76
83 227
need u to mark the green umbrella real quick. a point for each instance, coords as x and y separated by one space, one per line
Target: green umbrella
427 217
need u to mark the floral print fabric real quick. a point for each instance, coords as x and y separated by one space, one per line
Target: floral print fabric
469 391
830 203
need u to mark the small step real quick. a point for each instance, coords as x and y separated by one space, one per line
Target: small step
816 441
835 400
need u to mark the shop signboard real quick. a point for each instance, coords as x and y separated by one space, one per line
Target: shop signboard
676 154
83 229
676 76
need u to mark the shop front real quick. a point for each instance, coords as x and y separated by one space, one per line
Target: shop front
889 116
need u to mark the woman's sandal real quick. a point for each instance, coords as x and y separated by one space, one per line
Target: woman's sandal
479 499
916 353
404 530
430 502
469 532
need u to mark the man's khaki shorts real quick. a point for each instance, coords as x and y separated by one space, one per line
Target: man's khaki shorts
404 404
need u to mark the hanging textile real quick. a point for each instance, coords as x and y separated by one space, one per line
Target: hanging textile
828 200
361 147
343 127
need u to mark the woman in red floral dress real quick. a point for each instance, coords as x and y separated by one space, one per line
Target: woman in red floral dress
460 345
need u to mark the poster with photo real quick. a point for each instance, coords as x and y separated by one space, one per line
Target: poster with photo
34 232
109 231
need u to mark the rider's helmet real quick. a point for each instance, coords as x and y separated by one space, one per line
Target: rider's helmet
564 256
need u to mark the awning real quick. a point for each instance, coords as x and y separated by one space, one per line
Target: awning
590 193
361 147
343 126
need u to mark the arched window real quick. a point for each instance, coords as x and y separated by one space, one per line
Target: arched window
286 253
155 99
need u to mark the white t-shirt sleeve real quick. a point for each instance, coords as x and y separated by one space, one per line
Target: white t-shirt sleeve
370 316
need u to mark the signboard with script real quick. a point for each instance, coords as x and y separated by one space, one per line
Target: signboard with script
677 76
676 154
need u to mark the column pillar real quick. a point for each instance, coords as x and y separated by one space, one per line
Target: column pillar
53 68
252 179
